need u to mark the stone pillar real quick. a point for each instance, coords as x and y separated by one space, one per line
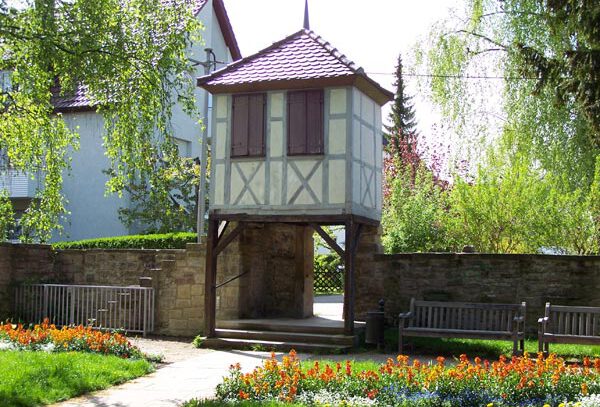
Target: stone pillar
370 286
278 259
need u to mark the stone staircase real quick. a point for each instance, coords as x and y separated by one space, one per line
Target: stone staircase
309 335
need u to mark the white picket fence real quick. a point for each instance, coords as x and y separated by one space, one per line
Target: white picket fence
104 307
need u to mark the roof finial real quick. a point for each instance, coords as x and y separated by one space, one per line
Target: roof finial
306 21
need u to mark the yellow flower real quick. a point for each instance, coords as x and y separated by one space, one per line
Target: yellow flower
490 405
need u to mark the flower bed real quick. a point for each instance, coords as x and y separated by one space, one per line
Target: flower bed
47 337
520 381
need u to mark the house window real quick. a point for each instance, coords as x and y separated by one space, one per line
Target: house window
5 82
248 128
184 147
305 122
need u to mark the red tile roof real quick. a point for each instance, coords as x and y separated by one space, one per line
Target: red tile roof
75 101
303 59
198 5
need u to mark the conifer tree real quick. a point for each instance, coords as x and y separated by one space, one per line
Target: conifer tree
402 116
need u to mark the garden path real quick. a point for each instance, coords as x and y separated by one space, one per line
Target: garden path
193 377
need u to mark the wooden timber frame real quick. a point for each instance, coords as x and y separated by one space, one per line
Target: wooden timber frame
218 240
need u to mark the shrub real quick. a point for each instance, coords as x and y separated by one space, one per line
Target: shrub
158 241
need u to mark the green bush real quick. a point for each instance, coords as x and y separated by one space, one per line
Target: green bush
158 241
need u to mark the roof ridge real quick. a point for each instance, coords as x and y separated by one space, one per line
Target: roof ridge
334 51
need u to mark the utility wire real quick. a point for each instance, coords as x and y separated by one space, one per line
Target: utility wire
422 75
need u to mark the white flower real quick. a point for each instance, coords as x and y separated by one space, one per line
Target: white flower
593 400
47 347
4 345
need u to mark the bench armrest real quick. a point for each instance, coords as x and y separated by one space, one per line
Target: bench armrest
402 318
519 323
542 324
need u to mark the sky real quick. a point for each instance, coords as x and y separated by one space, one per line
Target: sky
371 33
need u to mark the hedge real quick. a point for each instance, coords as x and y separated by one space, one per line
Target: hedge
158 241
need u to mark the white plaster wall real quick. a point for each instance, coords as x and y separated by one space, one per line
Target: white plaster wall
92 214
278 183
367 150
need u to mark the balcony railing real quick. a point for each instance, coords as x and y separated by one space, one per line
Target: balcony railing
18 184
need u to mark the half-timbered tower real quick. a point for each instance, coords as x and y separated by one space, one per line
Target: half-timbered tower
296 138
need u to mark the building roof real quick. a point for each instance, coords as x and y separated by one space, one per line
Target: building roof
79 101
304 59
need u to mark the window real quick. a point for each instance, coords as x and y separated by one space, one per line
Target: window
248 128
184 147
5 82
305 122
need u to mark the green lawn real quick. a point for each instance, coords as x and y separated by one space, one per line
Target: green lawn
482 348
35 378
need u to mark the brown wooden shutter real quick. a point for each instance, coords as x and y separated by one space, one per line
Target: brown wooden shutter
314 122
296 123
256 124
239 131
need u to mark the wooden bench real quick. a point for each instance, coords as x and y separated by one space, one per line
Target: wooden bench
565 324
464 320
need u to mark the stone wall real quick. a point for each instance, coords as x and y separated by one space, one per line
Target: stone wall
536 279
276 261
177 276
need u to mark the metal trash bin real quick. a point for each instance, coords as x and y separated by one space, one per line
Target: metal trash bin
375 326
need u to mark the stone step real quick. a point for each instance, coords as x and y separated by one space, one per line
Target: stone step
275 325
283 346
281 336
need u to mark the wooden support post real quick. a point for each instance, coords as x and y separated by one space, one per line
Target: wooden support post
210 279
348 278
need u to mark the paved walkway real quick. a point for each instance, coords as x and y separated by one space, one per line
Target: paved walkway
196 377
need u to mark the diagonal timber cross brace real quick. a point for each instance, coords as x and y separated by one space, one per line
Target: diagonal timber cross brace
328 239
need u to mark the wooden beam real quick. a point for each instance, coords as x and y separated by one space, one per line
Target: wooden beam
225 240
223 227
348 279
328 239
297 219
210 279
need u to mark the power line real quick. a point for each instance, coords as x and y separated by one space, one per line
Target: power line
422 75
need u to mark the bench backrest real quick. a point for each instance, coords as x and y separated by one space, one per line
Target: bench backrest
465 316
567 320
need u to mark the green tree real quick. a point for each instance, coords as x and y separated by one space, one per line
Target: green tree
7 216
402 115
170 206
512 205
548 54
413 214
130 58
414 202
